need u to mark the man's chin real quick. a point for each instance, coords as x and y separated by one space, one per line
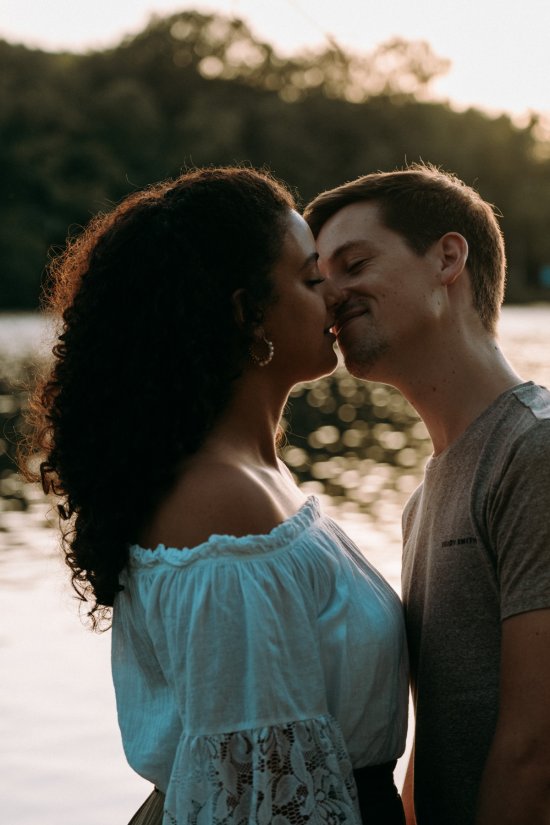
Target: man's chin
361 362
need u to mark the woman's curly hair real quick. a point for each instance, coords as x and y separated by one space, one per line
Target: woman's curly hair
147 353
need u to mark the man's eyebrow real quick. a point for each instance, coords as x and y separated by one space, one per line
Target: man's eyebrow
341 250
311 259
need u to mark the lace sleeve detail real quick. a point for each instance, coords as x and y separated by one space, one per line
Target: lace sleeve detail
289 774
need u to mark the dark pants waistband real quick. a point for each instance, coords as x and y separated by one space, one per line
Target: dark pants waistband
379 801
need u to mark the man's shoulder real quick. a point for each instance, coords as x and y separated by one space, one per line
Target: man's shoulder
529 419
524 396
535 399
521 418
516 446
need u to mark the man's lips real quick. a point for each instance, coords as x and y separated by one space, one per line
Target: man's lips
343 319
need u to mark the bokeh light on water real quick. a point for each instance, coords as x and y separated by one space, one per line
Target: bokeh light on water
360 444
25 341
16 495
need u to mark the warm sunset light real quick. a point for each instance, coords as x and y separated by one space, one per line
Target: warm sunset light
254 364
499 54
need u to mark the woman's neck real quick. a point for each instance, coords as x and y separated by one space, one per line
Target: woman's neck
248 428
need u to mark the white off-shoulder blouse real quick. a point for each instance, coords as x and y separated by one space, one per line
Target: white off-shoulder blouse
253 674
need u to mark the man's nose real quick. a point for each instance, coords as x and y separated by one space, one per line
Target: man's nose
334 295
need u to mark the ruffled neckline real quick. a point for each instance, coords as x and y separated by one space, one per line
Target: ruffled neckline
218 545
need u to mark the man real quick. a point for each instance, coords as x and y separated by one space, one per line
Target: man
420 259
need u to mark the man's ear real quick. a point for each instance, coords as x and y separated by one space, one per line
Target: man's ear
453 256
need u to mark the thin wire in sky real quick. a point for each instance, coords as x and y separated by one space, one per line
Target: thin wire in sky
329 37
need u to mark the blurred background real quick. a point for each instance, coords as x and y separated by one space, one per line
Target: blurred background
99 99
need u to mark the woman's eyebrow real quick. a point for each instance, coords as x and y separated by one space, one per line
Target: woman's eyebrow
311 259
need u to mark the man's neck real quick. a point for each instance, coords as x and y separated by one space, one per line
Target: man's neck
452 392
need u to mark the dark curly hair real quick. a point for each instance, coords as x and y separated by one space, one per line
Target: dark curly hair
147 354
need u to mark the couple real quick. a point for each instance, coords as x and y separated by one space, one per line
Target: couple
259 662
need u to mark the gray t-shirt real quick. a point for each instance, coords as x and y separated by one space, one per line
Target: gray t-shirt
476 551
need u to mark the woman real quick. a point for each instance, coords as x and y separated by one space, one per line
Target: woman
259 661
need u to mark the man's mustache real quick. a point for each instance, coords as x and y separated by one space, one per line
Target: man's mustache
348 311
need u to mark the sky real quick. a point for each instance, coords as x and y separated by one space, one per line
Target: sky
499 49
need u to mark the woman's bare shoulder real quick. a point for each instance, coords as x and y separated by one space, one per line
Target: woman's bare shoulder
213 498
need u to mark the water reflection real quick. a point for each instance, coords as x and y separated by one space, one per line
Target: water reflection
16 375
360 444
345 439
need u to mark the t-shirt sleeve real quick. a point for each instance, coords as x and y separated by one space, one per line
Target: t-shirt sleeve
519 524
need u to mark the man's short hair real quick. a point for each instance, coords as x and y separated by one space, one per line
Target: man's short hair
422 203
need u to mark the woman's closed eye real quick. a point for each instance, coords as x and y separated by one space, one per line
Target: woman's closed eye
314 281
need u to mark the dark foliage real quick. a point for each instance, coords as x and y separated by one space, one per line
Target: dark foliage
80 131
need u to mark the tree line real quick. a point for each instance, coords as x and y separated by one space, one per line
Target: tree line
80 131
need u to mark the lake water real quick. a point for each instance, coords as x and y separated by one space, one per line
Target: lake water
62 762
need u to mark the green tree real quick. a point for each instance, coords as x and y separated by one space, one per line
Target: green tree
79 131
